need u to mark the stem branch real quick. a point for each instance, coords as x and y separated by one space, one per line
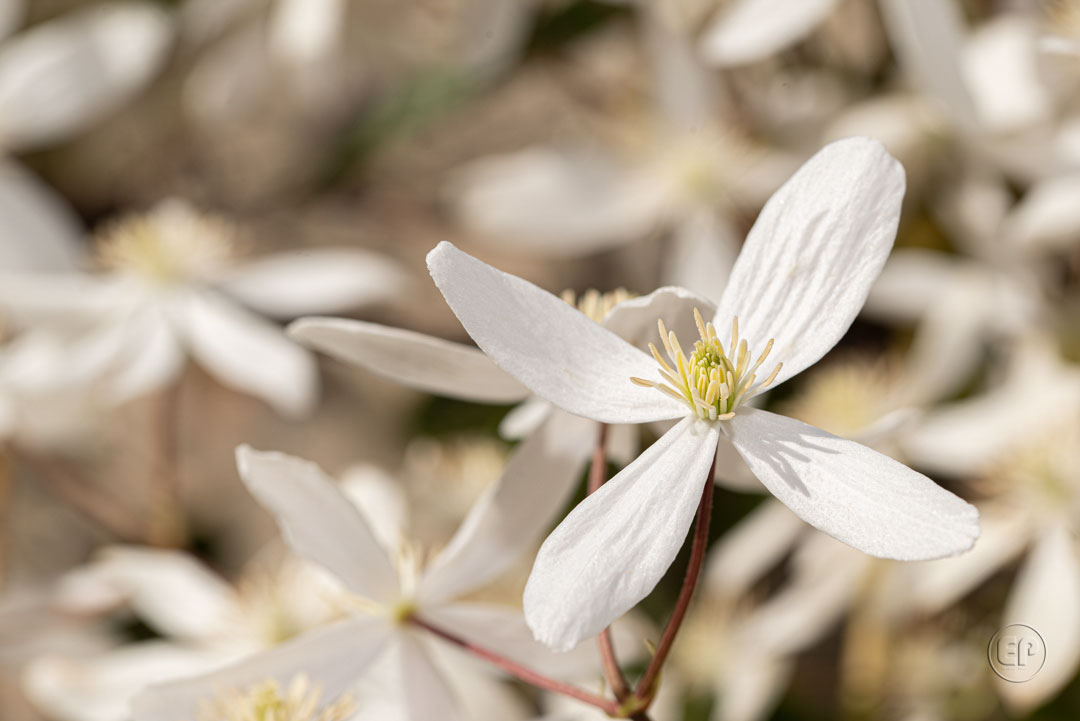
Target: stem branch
517 670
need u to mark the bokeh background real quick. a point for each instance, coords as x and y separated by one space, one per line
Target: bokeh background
581 145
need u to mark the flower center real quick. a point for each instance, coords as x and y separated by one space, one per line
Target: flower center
594 304
266 702
710 381
172 242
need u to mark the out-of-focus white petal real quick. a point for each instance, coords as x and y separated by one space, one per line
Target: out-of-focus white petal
169 590
419 361
936 585
382 502
306 31
64 300
752 686
612 550
826 577
100 687
289 285
515 512
426 693
817 247
964 437
502 629
318 521
751 548
524 418
927 37
333 658
551 347
247 353
1000 65
557 203
61 76
1046 597
1048 217
683 87
911 283
855 494
150 357
38 231
701 255
752 30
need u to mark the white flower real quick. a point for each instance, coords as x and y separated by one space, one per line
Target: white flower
387 583
800 280
57 79
204 623
167 291
747 31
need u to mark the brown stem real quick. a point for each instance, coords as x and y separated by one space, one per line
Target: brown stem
612 672
64 484
517 670
693 571
166 528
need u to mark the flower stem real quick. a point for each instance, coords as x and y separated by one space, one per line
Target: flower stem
517 670
166 526
612 672
693 571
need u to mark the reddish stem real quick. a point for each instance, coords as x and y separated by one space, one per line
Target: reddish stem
693 571
612 672
517 670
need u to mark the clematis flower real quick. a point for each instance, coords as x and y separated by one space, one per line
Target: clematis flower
386 584
799 281
169 289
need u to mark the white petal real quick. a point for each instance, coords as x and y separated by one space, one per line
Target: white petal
1046 597
247 353
1000 65
333 658
169 590
524 418
851 492
752 547
634 320
612 550
503 630
65 300
65 74
702 254
100 687
289 285
752 30
38 231
413 359
426 694
318 521
556 203
965 437
814 252
752 687
151 356
825 583
910 284
381 500
1048 217
306 31
554 350
927 37
515 512
936 585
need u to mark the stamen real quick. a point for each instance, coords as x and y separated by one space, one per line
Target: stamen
712 383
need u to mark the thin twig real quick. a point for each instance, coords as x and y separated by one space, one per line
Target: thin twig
66 485
597 477
693 571
518 671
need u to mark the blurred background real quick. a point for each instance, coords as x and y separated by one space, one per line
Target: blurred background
301 157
